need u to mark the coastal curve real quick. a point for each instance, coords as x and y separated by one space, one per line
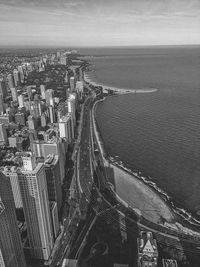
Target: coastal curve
137 194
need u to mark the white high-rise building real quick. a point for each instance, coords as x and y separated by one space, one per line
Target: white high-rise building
34 195
16 77
21 73
71 102
14 94
49 97
66 128
79 89
21 101
42 91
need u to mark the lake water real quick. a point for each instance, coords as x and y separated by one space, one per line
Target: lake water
155 133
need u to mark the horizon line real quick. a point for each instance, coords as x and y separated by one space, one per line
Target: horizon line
91 46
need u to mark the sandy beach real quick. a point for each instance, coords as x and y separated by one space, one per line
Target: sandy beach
120 90
134 192
140 196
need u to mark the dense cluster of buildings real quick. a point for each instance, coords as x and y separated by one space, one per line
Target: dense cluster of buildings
36 130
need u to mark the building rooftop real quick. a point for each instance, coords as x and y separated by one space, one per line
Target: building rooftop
146 243
51 160
169 263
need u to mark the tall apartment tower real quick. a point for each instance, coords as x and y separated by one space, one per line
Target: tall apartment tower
52 171
3 133
21 73
42 91
16 77
33 187
14 94
10 81
3 90
11 173
11 252
49 97
72 83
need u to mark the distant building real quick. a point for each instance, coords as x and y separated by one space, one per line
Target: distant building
20 118
58 53
52 114
49 97
72 83
14 94
10 81
3 133
42 91
80 74
147 250
31 123
16 77
29 91
1 105
66 77
63 60
21 101
35 109
33 187
69 263
21 73
71 102
5 119
43 120
120 265
11 252
169 263
3 90
79 89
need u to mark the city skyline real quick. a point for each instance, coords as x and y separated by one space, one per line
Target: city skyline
99 23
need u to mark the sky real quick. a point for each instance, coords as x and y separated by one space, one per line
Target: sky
99 22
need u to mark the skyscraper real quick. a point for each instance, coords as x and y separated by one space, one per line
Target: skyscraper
21 73
72 83
52 170
66 129
71 102
3 90
33 187
1 105
63 60
56 147
16 77
21 101
10 81
49 97
11 252
3 133
11 172
14 94
42 91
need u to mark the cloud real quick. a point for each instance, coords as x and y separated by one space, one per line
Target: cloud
73 20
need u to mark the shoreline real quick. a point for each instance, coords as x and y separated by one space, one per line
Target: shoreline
119 91
188 225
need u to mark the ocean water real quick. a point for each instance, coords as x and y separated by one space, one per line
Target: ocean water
155 133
